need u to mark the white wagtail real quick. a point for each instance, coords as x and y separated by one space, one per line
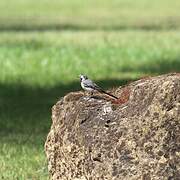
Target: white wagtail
89 85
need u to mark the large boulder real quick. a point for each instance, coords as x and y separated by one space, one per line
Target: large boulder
135 137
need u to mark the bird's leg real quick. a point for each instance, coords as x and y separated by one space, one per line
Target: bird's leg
84 93
91 93
87 95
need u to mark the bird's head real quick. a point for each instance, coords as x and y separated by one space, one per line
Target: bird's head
83 77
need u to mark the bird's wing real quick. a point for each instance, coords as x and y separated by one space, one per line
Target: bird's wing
90 84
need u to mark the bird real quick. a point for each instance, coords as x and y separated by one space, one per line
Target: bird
88 85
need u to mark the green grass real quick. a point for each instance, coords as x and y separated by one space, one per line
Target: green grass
45 59
116 14
112 42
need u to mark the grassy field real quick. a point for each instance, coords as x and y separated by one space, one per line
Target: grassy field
44 48
92 14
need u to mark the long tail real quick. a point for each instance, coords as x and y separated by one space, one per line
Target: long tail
108 94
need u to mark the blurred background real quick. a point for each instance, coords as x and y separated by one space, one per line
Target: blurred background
45 45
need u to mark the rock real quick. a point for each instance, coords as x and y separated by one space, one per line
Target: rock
97 138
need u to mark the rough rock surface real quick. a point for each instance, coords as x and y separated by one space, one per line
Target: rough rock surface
98 139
